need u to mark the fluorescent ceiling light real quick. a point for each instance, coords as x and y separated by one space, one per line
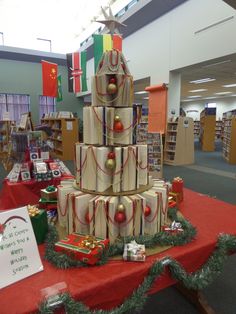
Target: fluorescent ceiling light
145 97
216 63
185 100
229 85
211 105
195 96
141 92
223 93
197 90
204 80
210 97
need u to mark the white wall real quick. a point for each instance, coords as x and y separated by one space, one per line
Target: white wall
222 105
170 42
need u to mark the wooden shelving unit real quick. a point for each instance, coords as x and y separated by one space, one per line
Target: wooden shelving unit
196 128
155 149
218 129
207 129
64 136
229 140
179 142
5 133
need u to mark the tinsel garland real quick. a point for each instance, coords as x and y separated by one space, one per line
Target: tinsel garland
162 238
198 280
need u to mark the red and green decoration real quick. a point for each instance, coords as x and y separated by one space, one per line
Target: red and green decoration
77 77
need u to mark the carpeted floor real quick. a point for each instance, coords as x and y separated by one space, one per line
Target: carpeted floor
209 175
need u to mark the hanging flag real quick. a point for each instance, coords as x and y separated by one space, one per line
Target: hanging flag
77 80
104 43
49 75
59 88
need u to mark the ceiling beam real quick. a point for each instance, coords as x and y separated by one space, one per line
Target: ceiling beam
232 3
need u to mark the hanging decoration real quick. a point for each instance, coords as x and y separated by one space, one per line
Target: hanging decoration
120 215
118 125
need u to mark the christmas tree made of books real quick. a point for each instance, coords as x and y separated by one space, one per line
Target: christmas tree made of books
113 195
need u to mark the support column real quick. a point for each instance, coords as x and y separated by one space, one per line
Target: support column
174 90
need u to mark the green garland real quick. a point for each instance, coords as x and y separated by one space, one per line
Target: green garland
198 280
162 238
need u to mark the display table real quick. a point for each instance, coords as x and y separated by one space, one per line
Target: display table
18 194
107 286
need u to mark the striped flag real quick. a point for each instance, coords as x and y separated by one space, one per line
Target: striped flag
104 43
76 63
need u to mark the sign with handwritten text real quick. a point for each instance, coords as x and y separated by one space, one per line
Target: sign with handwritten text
19 256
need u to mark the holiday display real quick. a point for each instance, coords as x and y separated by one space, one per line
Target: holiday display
113 195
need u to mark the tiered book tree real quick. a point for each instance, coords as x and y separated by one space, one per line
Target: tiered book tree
179 142
113 194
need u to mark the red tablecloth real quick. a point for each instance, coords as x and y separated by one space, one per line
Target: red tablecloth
107 286
14 195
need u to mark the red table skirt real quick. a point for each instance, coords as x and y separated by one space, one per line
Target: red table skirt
109 285
19 194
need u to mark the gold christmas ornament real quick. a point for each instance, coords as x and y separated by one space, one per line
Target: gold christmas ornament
110 164
111 88
117 118
120 208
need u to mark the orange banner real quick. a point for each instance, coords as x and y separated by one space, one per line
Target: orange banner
157 108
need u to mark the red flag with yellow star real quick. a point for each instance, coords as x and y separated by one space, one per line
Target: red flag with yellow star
49 74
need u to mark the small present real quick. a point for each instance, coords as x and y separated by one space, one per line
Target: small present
50 193
134 252
39 222
85 248
47 204
177 185
174 227
177 197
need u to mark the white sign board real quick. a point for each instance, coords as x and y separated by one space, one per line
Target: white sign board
6 116
19 256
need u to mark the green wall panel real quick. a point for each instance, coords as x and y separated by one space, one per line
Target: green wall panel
20 77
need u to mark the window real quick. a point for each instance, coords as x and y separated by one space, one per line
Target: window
46 105
15 104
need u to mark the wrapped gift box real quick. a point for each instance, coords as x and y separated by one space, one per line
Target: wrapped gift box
134 252
47 204
177 185
87 249
50 193
40 225
177 197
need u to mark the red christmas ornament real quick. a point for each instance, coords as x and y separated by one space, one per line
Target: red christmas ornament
111 155
112 80
120 217
87 219
147 211
118 126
